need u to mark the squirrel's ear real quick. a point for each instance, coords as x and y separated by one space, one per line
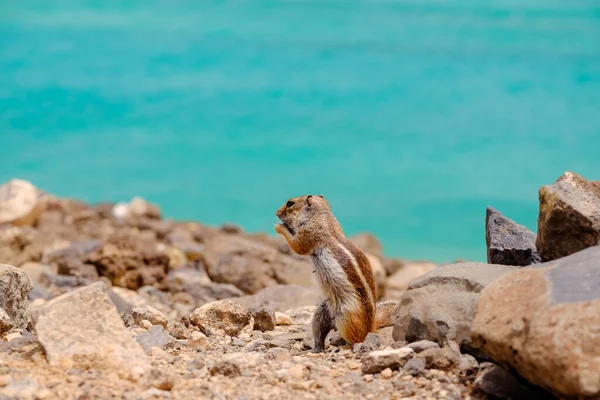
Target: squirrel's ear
321 196
308 199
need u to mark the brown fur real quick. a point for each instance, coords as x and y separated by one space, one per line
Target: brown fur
309 226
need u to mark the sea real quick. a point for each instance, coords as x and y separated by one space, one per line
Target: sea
409 116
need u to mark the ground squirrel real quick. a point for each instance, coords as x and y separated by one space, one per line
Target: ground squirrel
342 270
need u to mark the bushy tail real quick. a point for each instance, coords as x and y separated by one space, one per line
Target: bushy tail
386 313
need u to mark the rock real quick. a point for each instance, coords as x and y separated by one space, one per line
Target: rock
136 208
544 322
440 305
130 262
509 243
422 345
70 260
368 243
35 270
379 274
252 266
145 324
282 297
439 358
19 203
397 283
467 364
200 287
21 389
151 314
386 373
223 317
392 265
301 315
14 287
156 337
198 340
498 383
371 343
414 366
569 219
379 360
6 323
282 319
198 362
227 367
264 319
183 240
180 331
82 329
160 379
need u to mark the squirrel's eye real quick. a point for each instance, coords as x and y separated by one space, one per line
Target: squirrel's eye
289 203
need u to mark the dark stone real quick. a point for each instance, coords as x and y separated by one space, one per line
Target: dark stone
508 243
371 343
497 382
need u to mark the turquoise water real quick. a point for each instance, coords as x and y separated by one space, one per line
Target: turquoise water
409 116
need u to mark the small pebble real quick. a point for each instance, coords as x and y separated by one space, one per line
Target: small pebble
368 377
282 319
146 324
386 373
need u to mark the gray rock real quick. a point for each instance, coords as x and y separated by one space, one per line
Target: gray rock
379 360
200 287
440 305
467 364
82 329
15 285
155 337
415 366
544 322
509 243
569 219
371 343
422 345
251 265
282 297
496 382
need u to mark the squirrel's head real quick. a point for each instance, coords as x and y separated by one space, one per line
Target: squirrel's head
303 219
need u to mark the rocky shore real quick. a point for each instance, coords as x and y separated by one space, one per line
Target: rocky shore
115 301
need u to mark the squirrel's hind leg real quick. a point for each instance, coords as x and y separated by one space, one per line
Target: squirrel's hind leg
321 326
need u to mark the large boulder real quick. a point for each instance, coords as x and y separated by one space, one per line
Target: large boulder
396 284
569 219
282 297
367 243
19 203
544 322
252 266
82 329
440 305
508 243
15 285
130 262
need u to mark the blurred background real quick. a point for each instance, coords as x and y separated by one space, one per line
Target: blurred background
409 116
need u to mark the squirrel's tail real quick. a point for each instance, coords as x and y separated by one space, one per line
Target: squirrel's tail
386 313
